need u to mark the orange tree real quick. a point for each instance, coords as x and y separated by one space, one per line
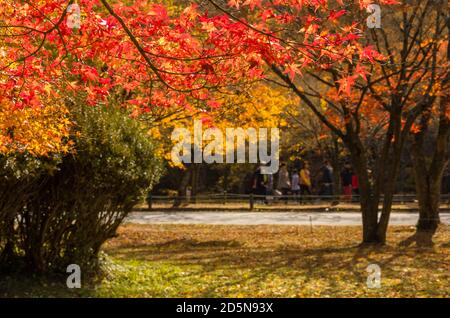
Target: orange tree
62 215
155 58
375 85
433 127
254 105
37 131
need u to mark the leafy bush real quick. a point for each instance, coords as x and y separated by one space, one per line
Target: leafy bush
66 214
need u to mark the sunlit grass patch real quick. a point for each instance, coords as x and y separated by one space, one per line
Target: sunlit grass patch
258 261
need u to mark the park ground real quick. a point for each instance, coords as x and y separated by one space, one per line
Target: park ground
276 206
255 261
311 219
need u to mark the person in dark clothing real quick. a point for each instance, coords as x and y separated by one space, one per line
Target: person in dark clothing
295 185
259 185
284 183
327 180
346 176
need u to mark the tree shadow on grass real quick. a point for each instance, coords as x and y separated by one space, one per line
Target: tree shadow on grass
194 244
332 265
262 263
220 267
215 263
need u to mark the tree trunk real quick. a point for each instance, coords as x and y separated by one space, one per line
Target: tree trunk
195 181
389 165
428 194
428 178
7 255
368 201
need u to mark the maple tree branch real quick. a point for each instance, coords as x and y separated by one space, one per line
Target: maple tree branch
218 7
317 77
57 23
140 49
44 33
275 82
307 101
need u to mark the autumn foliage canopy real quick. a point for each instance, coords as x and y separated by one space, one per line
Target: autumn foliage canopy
151 55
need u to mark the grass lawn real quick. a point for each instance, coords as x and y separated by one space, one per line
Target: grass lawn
256 261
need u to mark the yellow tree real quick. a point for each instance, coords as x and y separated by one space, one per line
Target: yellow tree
37 131
258 105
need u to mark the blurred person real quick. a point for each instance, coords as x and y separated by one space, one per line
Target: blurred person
295 184
346 176
284 184
305 180
259 186
355 186
326 179
269 184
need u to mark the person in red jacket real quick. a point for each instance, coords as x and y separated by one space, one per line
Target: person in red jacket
355 185
346 176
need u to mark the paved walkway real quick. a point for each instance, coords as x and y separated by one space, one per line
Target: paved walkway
254 218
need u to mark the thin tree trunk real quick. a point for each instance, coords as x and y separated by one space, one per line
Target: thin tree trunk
429 178
7 255
368 202
428 195
195 181
334 155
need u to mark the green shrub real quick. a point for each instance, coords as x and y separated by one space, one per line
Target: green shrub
19 178
69 212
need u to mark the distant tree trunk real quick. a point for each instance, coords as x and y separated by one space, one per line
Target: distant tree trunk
7 255
13 196
226 173
194 181
334 160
